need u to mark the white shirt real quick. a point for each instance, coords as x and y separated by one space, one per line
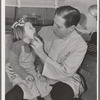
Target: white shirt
64 59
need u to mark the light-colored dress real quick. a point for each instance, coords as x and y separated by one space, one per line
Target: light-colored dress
64 59
31 89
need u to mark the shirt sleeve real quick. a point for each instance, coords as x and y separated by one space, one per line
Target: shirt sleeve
14 60
73 60
67 66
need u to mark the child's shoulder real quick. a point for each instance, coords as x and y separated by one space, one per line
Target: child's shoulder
17 44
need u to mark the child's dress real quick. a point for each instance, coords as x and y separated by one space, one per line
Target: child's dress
31 89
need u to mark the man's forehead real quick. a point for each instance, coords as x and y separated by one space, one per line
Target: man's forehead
59 20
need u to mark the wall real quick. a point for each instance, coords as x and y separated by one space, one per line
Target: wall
87 20
45 13
83 6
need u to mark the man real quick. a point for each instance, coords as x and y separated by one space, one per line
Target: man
63 55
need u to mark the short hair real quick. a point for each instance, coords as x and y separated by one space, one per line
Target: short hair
70 14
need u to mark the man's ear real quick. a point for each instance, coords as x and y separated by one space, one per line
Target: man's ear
72 28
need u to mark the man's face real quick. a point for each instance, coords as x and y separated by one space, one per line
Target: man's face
59 28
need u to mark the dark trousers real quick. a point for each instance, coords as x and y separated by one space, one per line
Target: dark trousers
62 91
15 93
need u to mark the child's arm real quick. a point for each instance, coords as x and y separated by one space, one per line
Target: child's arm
38 65
38 68
14 60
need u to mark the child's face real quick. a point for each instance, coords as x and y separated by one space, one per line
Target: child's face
29 31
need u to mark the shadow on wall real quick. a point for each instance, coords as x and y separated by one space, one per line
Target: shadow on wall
83 20
83 6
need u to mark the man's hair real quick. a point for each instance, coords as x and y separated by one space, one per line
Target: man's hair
70 14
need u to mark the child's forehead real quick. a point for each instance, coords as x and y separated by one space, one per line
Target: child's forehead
28 24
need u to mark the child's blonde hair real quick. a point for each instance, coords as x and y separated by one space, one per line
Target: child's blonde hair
18 28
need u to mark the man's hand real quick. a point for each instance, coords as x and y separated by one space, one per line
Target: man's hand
9 70
37 45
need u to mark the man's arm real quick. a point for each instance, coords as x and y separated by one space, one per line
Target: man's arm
67 67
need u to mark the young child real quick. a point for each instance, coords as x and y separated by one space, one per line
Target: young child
28 84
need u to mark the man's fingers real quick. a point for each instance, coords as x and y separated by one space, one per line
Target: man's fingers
37 39
33 46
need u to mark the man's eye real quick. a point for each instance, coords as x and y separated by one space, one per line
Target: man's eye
58 26
30 27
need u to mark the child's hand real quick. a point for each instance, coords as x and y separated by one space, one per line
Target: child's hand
39 69
40 77
30 78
